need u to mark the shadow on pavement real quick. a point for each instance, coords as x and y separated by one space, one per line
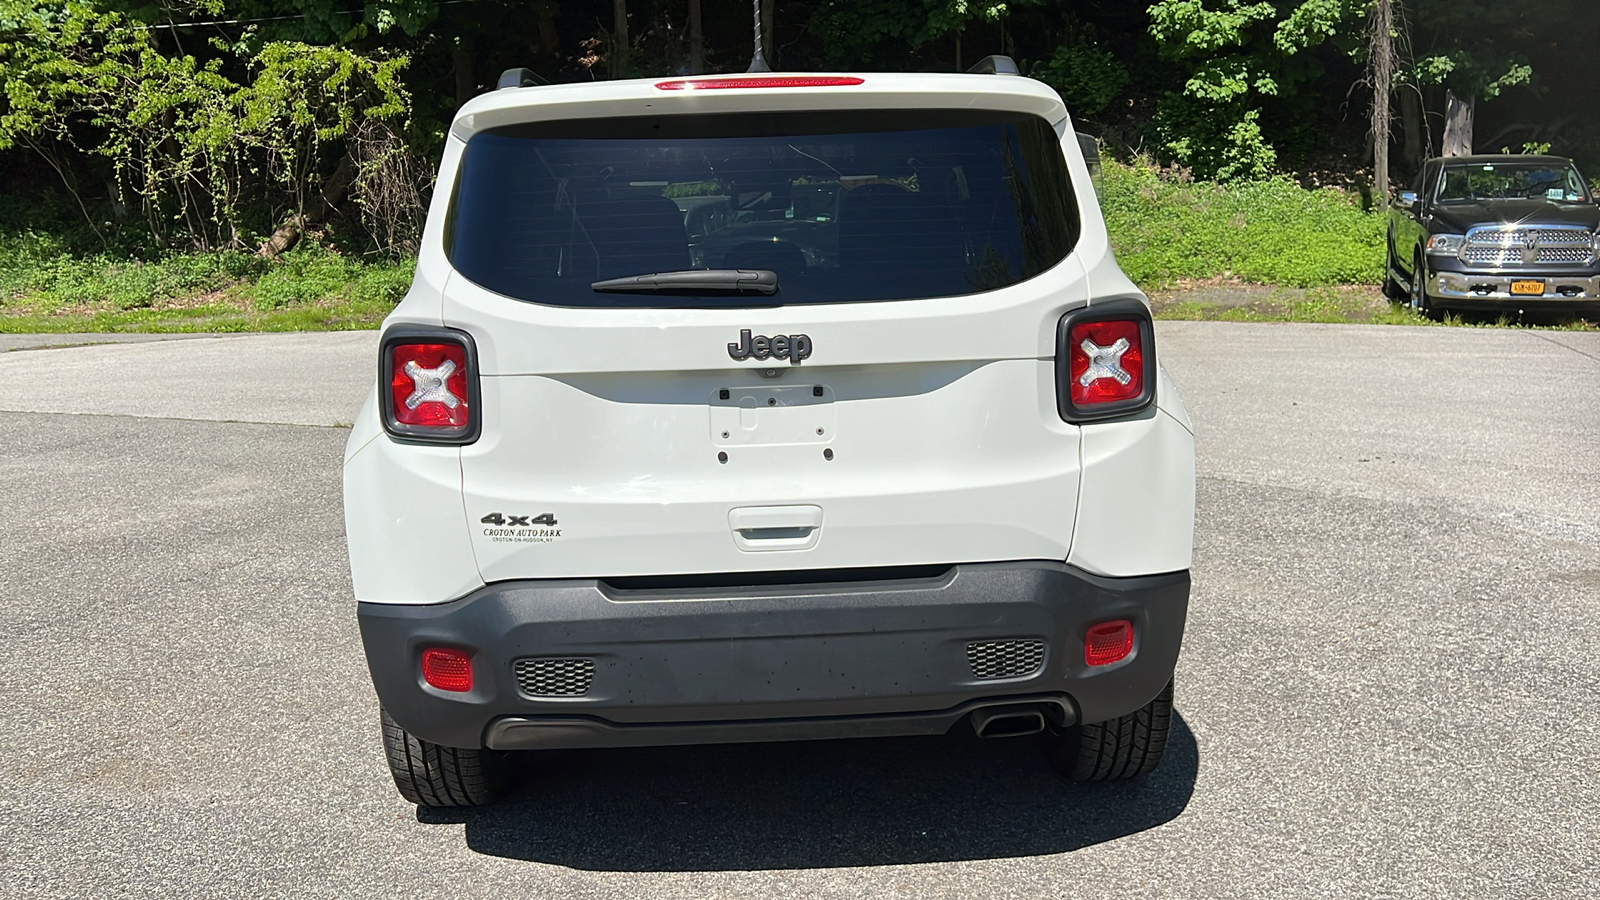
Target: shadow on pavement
818 804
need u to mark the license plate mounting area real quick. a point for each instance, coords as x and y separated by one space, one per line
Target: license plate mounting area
790 414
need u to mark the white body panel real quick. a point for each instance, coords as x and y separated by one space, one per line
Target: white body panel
931 464
938 416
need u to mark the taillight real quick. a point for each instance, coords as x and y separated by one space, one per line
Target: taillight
446 669
1108 642
429 384
1105 360
764 81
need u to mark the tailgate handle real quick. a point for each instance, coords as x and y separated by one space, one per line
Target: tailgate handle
760 528
777 533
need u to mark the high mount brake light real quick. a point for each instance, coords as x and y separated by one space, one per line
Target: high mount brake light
429 385
1105 360
767 81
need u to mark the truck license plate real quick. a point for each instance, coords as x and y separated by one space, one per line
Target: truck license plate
1534 288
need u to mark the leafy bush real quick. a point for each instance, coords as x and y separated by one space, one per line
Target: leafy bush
1087 77
1223 144
207 158
1269 231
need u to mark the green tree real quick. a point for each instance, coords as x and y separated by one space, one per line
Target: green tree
1241 55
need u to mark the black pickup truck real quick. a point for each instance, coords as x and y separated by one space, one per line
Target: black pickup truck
1503 233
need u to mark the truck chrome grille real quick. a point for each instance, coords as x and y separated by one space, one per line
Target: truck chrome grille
554 677
1567 254
1005 659
1514 247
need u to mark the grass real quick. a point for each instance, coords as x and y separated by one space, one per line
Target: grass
1272 232
45 289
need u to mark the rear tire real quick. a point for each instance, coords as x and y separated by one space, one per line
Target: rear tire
1125 747
428 774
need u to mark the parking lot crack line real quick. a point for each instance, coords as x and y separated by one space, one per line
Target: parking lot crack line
1550 340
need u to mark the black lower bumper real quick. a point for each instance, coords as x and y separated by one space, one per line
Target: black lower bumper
814 660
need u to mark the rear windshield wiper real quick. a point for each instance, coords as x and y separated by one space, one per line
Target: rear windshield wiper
694 281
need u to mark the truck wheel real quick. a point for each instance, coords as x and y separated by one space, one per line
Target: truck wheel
1125 747
1419 290
430 775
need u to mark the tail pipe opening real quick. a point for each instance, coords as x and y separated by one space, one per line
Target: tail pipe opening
1019 719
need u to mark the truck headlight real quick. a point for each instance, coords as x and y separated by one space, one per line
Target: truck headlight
1446 244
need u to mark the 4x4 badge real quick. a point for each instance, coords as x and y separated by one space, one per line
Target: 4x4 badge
793 347
495 518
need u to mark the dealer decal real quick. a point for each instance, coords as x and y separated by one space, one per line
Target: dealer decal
529 529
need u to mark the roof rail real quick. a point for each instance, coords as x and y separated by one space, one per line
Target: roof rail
996 65
514 78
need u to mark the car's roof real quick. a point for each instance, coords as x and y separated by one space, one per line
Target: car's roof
644 97
1487 158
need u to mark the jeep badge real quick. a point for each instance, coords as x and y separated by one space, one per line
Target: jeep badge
793 347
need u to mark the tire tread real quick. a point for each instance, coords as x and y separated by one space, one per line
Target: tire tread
429 774
1125 747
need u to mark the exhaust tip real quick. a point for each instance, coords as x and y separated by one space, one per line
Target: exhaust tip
1000 722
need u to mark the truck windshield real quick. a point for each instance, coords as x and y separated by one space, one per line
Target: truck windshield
1511 181
843 206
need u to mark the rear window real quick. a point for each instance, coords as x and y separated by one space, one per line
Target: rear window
843 206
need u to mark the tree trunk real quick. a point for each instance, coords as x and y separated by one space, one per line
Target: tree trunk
619 39
331 194
1382 59
466 78
697 50
1458 124
1417 143
769 19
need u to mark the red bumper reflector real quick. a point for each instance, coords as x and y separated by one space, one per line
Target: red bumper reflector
1108 642
770 81
447 670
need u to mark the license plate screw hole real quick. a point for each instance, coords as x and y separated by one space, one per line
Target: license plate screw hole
816 391
722 394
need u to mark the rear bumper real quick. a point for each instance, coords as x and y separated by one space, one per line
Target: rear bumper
820 660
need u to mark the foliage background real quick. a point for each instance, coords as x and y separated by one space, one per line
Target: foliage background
133 130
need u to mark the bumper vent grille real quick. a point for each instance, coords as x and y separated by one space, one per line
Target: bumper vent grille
554 677
1005 659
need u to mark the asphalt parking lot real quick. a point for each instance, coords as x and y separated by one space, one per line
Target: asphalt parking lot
1387 690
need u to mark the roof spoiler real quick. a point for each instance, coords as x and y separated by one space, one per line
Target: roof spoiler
995 65
515 78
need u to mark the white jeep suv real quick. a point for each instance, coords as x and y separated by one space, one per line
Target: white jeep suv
767 407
